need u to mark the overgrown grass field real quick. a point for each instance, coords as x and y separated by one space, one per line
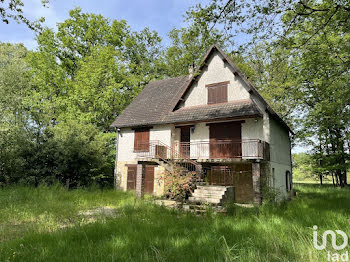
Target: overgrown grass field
43 224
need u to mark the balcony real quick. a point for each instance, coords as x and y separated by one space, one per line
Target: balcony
203 150
225 149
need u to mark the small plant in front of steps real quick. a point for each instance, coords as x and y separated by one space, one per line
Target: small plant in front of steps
179 183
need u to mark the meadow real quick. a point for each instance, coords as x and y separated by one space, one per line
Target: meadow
43 224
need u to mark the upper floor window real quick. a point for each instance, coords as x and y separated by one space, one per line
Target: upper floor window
217 92
141 140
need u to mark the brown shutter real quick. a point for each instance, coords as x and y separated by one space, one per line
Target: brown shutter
141 140
211 96
217 93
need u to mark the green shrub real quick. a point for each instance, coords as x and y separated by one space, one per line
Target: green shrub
72 153
179 184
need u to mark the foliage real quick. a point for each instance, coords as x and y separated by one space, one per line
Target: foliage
179 184
90 69
301 56
304 167
41 224
269 68
73 154
13 84
188 45
12 9
57 102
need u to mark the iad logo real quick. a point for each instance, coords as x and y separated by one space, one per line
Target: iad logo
333 235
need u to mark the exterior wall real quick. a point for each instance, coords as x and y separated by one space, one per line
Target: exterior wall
126 140
125 146
216 71
280 158
253 129
161 133
200 134
158 189
122 173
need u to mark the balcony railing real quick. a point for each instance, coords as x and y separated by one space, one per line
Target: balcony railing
157 149
223 149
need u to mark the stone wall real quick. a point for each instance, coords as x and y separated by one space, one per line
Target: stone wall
122 175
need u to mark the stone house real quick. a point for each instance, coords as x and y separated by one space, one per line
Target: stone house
213 122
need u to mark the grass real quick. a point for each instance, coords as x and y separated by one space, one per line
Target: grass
42 224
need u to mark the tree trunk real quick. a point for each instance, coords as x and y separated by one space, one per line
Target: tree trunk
321 180
345 177
333 179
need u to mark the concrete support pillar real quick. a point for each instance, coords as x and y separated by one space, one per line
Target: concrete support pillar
256 173
140 180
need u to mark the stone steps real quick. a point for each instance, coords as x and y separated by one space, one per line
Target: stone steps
212 195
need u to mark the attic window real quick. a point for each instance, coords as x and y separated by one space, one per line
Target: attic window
217 93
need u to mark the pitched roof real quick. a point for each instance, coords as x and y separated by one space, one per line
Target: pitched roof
243 108
152 104
157 102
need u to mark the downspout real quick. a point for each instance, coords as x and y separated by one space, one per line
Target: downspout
116 158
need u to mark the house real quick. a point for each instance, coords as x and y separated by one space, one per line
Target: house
213 122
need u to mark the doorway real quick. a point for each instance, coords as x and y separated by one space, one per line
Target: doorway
185 139
149 179
131 177
225 140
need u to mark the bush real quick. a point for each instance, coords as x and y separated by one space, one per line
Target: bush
72 153
179 183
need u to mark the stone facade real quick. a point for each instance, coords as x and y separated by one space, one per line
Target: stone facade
122 176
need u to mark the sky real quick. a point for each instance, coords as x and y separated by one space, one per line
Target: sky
159 15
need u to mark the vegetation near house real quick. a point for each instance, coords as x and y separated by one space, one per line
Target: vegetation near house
54 230
265 76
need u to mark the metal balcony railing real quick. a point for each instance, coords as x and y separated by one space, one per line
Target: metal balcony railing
225 149
221 149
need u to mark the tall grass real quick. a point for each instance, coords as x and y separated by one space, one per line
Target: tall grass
31 228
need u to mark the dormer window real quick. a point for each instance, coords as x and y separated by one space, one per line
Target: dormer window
217 92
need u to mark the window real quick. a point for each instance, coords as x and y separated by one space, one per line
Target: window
217 93
288 181
141 140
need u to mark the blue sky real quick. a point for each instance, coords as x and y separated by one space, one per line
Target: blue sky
159 15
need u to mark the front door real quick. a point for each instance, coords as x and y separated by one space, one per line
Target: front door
149 179
225 140
185 141
131 178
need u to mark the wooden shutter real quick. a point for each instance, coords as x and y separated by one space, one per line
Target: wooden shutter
141 140
131 178
217 93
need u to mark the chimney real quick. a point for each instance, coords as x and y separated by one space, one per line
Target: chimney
190 70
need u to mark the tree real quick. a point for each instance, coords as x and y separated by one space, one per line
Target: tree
13 83
12 9
90 69
68 92
188 44
269 68
314 36
271 19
